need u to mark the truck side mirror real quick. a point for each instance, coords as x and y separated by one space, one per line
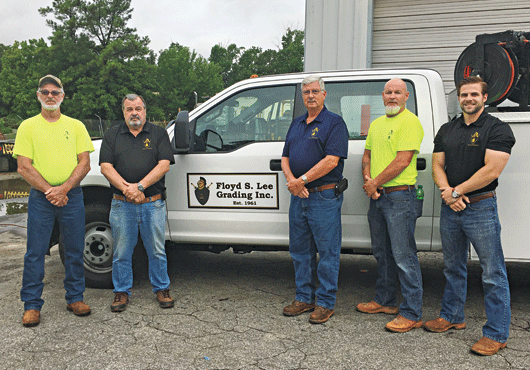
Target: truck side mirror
182 132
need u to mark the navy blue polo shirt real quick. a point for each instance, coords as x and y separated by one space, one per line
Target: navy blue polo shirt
307 144
133 157
465 147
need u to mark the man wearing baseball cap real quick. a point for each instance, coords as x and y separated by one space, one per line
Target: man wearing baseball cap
52 152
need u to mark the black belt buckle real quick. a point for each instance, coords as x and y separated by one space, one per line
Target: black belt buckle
341 186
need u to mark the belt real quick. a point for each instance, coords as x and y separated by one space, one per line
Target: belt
322 187
390 189
146 200
478 198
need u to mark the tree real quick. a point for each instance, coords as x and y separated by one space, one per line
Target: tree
99 21
182 72
98 57
22 65
226 58
290 56
237 63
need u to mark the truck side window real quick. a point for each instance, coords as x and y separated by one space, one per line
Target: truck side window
260 114
360 102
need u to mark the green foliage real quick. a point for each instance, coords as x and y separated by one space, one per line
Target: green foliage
99 60
237 64
180 73
22 65
99 21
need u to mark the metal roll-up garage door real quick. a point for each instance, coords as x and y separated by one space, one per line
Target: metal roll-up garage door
433 33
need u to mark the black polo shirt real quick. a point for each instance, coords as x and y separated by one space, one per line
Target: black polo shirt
134 157
465 146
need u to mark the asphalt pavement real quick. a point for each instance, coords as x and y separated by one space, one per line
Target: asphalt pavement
228 315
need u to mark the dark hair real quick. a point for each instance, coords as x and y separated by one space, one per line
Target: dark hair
472 80
131 97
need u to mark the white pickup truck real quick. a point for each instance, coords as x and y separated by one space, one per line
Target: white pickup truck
227 189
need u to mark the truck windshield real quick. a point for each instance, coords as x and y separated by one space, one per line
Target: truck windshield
265 113
261 114
360 102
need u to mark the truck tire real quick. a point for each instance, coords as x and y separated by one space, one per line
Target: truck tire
97 255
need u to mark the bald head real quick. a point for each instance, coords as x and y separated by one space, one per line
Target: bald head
395 97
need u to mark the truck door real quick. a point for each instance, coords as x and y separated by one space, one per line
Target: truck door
360 102
230 188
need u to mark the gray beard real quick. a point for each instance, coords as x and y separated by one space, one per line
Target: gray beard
49 107
392 111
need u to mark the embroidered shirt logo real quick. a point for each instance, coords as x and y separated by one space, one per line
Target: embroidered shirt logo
67 135
390 134
474 139
314 132
147 142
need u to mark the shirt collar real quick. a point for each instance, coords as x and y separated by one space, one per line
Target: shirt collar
124 128
479 122
320 116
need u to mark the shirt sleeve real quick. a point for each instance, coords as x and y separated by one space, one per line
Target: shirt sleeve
106 152
23 143
438 140
165 151
501 138
83 141
337 142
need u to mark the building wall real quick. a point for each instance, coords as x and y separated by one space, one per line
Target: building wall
433 33
403 33
338 34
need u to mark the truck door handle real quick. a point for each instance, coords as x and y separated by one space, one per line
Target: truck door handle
421 164
276 165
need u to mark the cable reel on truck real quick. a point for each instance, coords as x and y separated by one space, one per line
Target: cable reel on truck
503 61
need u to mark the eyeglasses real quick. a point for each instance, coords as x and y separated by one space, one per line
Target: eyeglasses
53 92
314 92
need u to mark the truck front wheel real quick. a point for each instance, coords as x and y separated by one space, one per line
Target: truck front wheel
97 255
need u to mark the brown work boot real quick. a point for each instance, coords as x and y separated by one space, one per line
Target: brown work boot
487 347
121 299
296 308
440 325
401 324
320 315
31 318
374 307
164 299
79 308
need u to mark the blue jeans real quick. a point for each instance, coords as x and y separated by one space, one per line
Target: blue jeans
479 224
126 220
315 226
392 220
41 218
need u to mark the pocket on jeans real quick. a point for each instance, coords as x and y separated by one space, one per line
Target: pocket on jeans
485 205
159 203
419 207
399 196
328 194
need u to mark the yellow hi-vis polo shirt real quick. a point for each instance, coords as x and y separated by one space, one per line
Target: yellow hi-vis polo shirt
53 146
389 135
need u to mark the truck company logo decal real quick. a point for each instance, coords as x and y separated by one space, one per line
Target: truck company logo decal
202 192
238 190
474 139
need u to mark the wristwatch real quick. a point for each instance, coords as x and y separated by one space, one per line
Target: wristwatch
455 194
141 187
304 178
